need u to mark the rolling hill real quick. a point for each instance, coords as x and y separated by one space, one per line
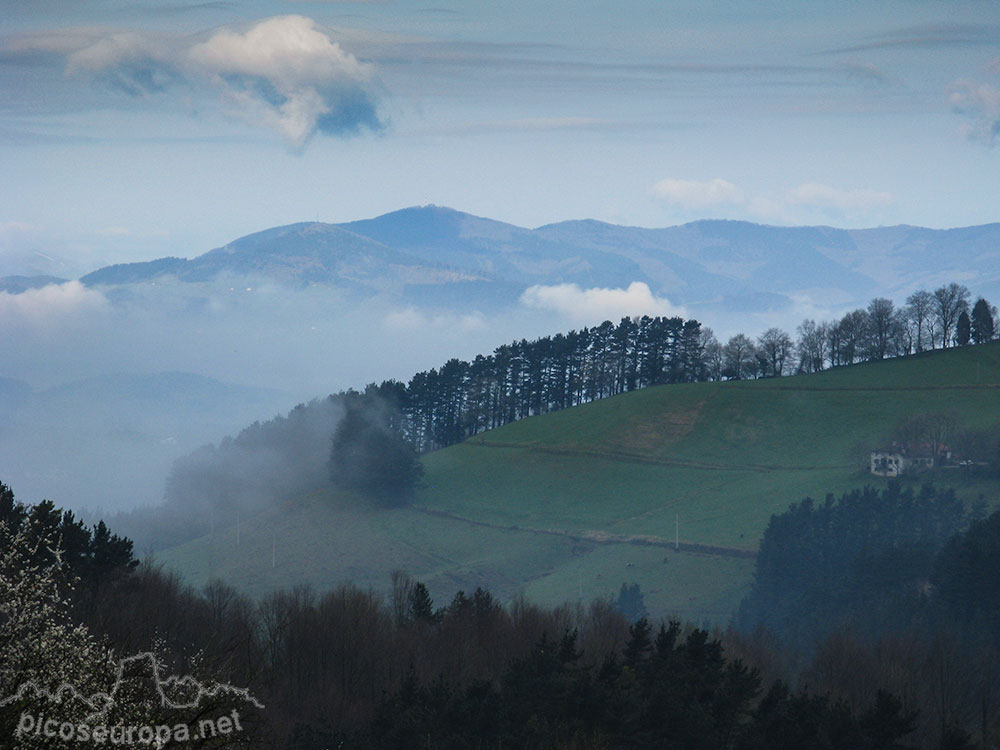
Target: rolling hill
670 487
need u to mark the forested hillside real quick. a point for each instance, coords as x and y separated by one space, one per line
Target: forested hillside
574 503
461 399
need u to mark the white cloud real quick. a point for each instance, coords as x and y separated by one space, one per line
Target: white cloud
52 307
290 75
698 196
285 73
597 304
821 196
289 50
980 102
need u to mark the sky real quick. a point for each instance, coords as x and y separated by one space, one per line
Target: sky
134 130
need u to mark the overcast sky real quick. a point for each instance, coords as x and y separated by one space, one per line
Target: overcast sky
131 130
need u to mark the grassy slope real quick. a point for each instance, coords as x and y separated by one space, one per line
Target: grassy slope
715 459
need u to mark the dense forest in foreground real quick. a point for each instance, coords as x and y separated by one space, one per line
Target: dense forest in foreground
349 668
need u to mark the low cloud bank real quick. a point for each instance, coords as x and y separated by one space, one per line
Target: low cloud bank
597 304
51 308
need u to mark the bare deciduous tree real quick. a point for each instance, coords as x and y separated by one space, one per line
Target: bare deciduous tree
949 302
920 317
812 346
776 347
739 355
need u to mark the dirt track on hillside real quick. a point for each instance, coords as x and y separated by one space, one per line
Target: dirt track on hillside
600 537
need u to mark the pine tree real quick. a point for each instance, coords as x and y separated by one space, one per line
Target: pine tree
631 603
421 604
368 456
963 329
639 642
982 322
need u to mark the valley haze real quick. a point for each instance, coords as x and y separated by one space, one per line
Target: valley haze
137 136
170 354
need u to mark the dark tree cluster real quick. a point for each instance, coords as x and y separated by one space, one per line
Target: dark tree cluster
266 462
368 454
92 558
631 603
894 588
860 559
928 320
446 405
668 690
964 575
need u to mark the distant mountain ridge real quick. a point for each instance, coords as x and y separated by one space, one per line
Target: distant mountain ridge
432 253
306 253
19 284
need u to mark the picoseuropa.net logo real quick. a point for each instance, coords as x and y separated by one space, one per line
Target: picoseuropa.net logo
29 725
142 708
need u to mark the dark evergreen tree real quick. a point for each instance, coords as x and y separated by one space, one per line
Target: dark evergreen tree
798 721
108 554
639 643
368 456
964 573
630 602
982 322
12 512
90 557
886 723
955 738
963 329
421 604
855 559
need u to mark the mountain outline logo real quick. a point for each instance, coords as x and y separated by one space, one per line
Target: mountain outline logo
167 689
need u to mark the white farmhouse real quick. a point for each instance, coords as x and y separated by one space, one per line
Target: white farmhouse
902 459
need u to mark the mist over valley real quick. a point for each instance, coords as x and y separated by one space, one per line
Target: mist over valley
99 405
